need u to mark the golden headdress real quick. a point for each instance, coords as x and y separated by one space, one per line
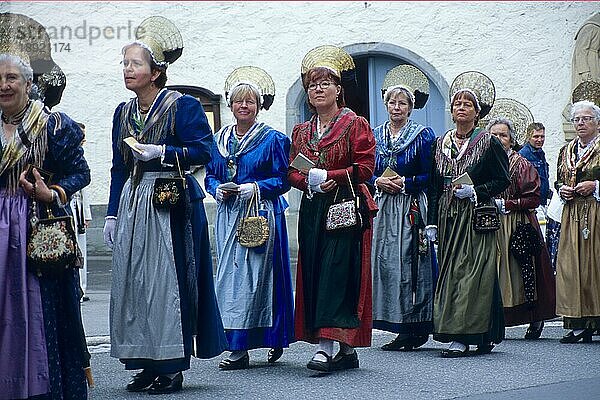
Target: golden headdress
478 85
27 39
161 38
256 77
410 78
330 57
587 90
513 110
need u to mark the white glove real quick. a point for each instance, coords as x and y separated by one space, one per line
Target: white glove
148 151
109 232
316 188
431 233
464 192
316 176
246 190
219 195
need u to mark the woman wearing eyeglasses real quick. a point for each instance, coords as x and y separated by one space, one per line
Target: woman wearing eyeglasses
333 285
577 266
253 284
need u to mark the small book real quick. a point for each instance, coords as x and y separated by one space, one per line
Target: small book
229 187
463 179
302 163
131 142
389 173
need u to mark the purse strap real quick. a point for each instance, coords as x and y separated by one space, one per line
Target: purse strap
351 188
253 204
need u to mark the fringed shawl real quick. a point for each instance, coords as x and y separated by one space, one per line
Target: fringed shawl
28 145
515 168
571 163
335 143
387 149
446 165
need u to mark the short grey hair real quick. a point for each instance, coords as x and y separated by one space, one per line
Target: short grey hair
394 91
24 68
584 104
243 90
503 121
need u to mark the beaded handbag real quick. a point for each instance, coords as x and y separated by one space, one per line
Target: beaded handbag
253 229
485 218
169 192
343 214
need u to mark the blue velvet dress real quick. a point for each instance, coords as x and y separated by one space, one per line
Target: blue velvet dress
404 267
144 334
257 306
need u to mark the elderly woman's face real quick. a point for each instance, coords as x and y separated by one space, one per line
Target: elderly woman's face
14 89
398 107
245 109
323 93
463 109
585 124
502 132
137 72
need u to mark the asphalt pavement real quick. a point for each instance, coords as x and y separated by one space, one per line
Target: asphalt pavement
542 369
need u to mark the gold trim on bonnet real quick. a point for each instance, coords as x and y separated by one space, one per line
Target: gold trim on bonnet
588 90
477 83
159 35
513 110
331 57
255 76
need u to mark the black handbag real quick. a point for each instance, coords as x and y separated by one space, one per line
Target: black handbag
169 192
485 218
344 214
51 243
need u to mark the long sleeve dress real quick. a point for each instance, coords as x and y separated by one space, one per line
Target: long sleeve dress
162 293
577 266
254 285
41 332
403 265
520 200
467 305
333 284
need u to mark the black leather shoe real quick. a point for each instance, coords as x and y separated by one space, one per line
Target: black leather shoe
533 334
274 355
141 381
484 349
344 361
401 341
229 365
418 341
585 336
321 366
452 353
164 384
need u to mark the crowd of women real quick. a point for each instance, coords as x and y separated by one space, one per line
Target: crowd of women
398 229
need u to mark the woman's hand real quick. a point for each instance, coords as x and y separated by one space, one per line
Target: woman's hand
585 188
566 192
390 185
328 185
42 193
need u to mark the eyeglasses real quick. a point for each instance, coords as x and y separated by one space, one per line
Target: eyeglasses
249 102
323 85
586 118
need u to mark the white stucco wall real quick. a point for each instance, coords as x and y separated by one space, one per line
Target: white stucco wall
525 48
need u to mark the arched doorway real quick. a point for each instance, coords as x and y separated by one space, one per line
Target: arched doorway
373 61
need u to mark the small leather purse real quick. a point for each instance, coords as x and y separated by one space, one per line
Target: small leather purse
485 218
253 229
169 192
344 214
51 244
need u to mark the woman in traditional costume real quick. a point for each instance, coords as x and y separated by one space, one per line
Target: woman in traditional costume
43 345
469 167
163 307
577 268
248 172
333 285
524 269
403 275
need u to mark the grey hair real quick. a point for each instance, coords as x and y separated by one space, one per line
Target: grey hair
26 71
578 106
395 90
241 90
503 121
